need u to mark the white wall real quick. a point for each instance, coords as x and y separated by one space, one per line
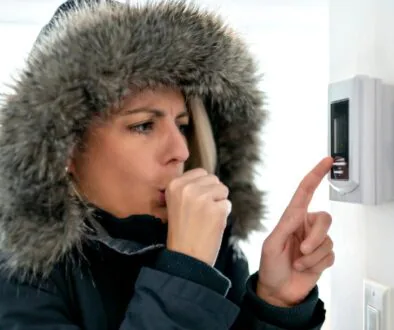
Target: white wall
361 42
290 41
15 41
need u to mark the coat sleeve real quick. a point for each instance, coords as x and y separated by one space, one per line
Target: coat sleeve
188 294
256 314
180 292
177 292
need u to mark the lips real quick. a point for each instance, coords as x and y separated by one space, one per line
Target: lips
162 197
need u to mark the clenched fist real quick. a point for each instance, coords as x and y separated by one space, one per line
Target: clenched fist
198 208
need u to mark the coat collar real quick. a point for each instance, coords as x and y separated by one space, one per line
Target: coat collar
132 235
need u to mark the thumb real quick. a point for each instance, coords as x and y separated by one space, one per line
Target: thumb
290 221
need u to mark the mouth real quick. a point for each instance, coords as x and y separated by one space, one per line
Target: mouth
162 197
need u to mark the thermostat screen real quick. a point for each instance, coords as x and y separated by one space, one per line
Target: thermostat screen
340 139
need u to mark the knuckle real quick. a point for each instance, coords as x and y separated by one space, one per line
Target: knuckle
296 216
201 171
187 190
292 218
268 246
304 261
213 177
172 186
330 243
225 189
329 260
326 217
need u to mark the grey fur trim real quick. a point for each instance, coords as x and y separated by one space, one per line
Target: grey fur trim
81 67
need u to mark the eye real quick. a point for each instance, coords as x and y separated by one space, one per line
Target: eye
143 128
184 129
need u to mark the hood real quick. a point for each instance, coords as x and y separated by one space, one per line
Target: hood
82 66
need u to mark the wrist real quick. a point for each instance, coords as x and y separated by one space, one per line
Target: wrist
272 297
194 254
192 269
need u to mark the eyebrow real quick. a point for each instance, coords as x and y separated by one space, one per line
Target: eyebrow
156 112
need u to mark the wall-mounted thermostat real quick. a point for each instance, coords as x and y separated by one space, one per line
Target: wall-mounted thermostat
361 140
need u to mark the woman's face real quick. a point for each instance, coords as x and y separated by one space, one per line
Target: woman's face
128 160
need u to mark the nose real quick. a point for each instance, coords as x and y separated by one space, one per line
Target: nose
175 149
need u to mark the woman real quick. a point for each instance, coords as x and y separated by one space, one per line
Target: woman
128 133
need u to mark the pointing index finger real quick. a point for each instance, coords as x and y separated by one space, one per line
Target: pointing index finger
304 193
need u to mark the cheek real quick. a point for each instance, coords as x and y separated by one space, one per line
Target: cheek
131 164
114 158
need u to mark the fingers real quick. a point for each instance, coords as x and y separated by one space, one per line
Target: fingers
225 206
309 184
217 192
319 223
325 263
287 225
192 175
314 259
188 180
206 180
296 212
317 247
198 184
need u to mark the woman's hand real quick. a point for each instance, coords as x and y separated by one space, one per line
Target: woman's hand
298 250
197 215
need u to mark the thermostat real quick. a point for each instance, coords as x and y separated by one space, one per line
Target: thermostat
361 140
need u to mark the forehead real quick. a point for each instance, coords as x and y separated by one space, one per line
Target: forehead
165 99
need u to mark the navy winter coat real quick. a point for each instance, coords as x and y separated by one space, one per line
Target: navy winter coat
137 284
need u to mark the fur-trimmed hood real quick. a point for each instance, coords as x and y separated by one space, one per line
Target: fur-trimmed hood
81 66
